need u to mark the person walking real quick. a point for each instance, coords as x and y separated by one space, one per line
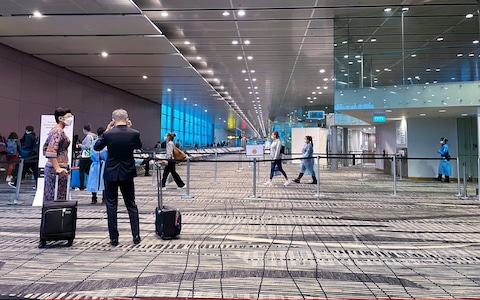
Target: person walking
120 140
307 162
170 167
276 156
97 168
29 152
55 150
86 149
444 167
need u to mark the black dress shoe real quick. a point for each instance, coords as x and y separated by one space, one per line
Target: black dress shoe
136 239
114 242
147 174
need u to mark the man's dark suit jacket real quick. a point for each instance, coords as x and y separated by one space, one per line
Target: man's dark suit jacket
120 142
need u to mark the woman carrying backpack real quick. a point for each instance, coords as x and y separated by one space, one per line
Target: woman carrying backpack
12 149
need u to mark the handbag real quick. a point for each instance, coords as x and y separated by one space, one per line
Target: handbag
178 154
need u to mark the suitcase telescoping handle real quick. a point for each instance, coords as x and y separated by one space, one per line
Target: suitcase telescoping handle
55 197
159 185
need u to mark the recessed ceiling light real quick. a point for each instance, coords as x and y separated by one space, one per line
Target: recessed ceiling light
387 9
404 9
252 71
169 90
247 42
144 76
413 55
422 115
439 39
428 69
360 40
199 57
442 110
164 14
464 115
373 40
37 14
239 57
388 110
468 16
104 54
459 55
437 70
475 42
244 71
186 43
234 42
226 13
185 98
322 70
241 13
249 57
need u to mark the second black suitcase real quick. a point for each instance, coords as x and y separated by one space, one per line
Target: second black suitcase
168 221
59 219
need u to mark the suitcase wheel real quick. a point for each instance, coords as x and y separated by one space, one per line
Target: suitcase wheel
42 244
69 243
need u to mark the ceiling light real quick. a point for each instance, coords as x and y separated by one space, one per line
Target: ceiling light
404 9
249 57
345 56
247 42
239 57
459 55
169 90
144 76
322 70
226 13
413 55
244 71
254 79
37 14
464 115
437 70
241 13
475 42
388 110
199 57
246 79
344 42
252 71
373 40
442 110
439 39
468 16
428 69
186 43
360 40
164 14
184 98
234 42
325 79
104 54
387 9
471 54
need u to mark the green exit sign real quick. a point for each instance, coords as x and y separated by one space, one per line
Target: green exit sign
379 119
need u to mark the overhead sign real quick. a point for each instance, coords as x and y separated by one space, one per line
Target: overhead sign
316 114
379 118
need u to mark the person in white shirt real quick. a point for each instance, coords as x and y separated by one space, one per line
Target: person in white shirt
276 156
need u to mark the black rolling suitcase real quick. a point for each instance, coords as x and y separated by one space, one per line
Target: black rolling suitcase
59 219
168 220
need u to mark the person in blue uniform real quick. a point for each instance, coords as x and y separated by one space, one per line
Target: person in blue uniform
444 168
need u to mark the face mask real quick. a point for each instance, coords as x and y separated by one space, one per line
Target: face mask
85 132
441 142
305 141
28 132
68 121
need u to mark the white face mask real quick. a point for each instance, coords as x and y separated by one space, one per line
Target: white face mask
28 132
441 142
68 121
85 132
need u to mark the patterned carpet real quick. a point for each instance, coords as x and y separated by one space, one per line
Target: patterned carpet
354 237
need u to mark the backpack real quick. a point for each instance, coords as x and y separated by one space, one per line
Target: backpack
12 147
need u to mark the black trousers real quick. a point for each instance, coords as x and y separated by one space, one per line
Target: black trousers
170 168
127 188
84 168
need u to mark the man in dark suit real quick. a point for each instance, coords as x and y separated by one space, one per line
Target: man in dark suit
120 170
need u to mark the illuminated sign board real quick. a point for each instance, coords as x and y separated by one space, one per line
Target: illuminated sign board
316 114
379 119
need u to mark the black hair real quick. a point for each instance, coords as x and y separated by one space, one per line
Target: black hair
29 128
60 112
87 127
309 138
444 140
13 136
100 130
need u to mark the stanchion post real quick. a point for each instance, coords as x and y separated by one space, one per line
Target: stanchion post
465 180
318 179
254 195
361 167
188 180
394 167
240 162
215 169
19 180
400 166
459 194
